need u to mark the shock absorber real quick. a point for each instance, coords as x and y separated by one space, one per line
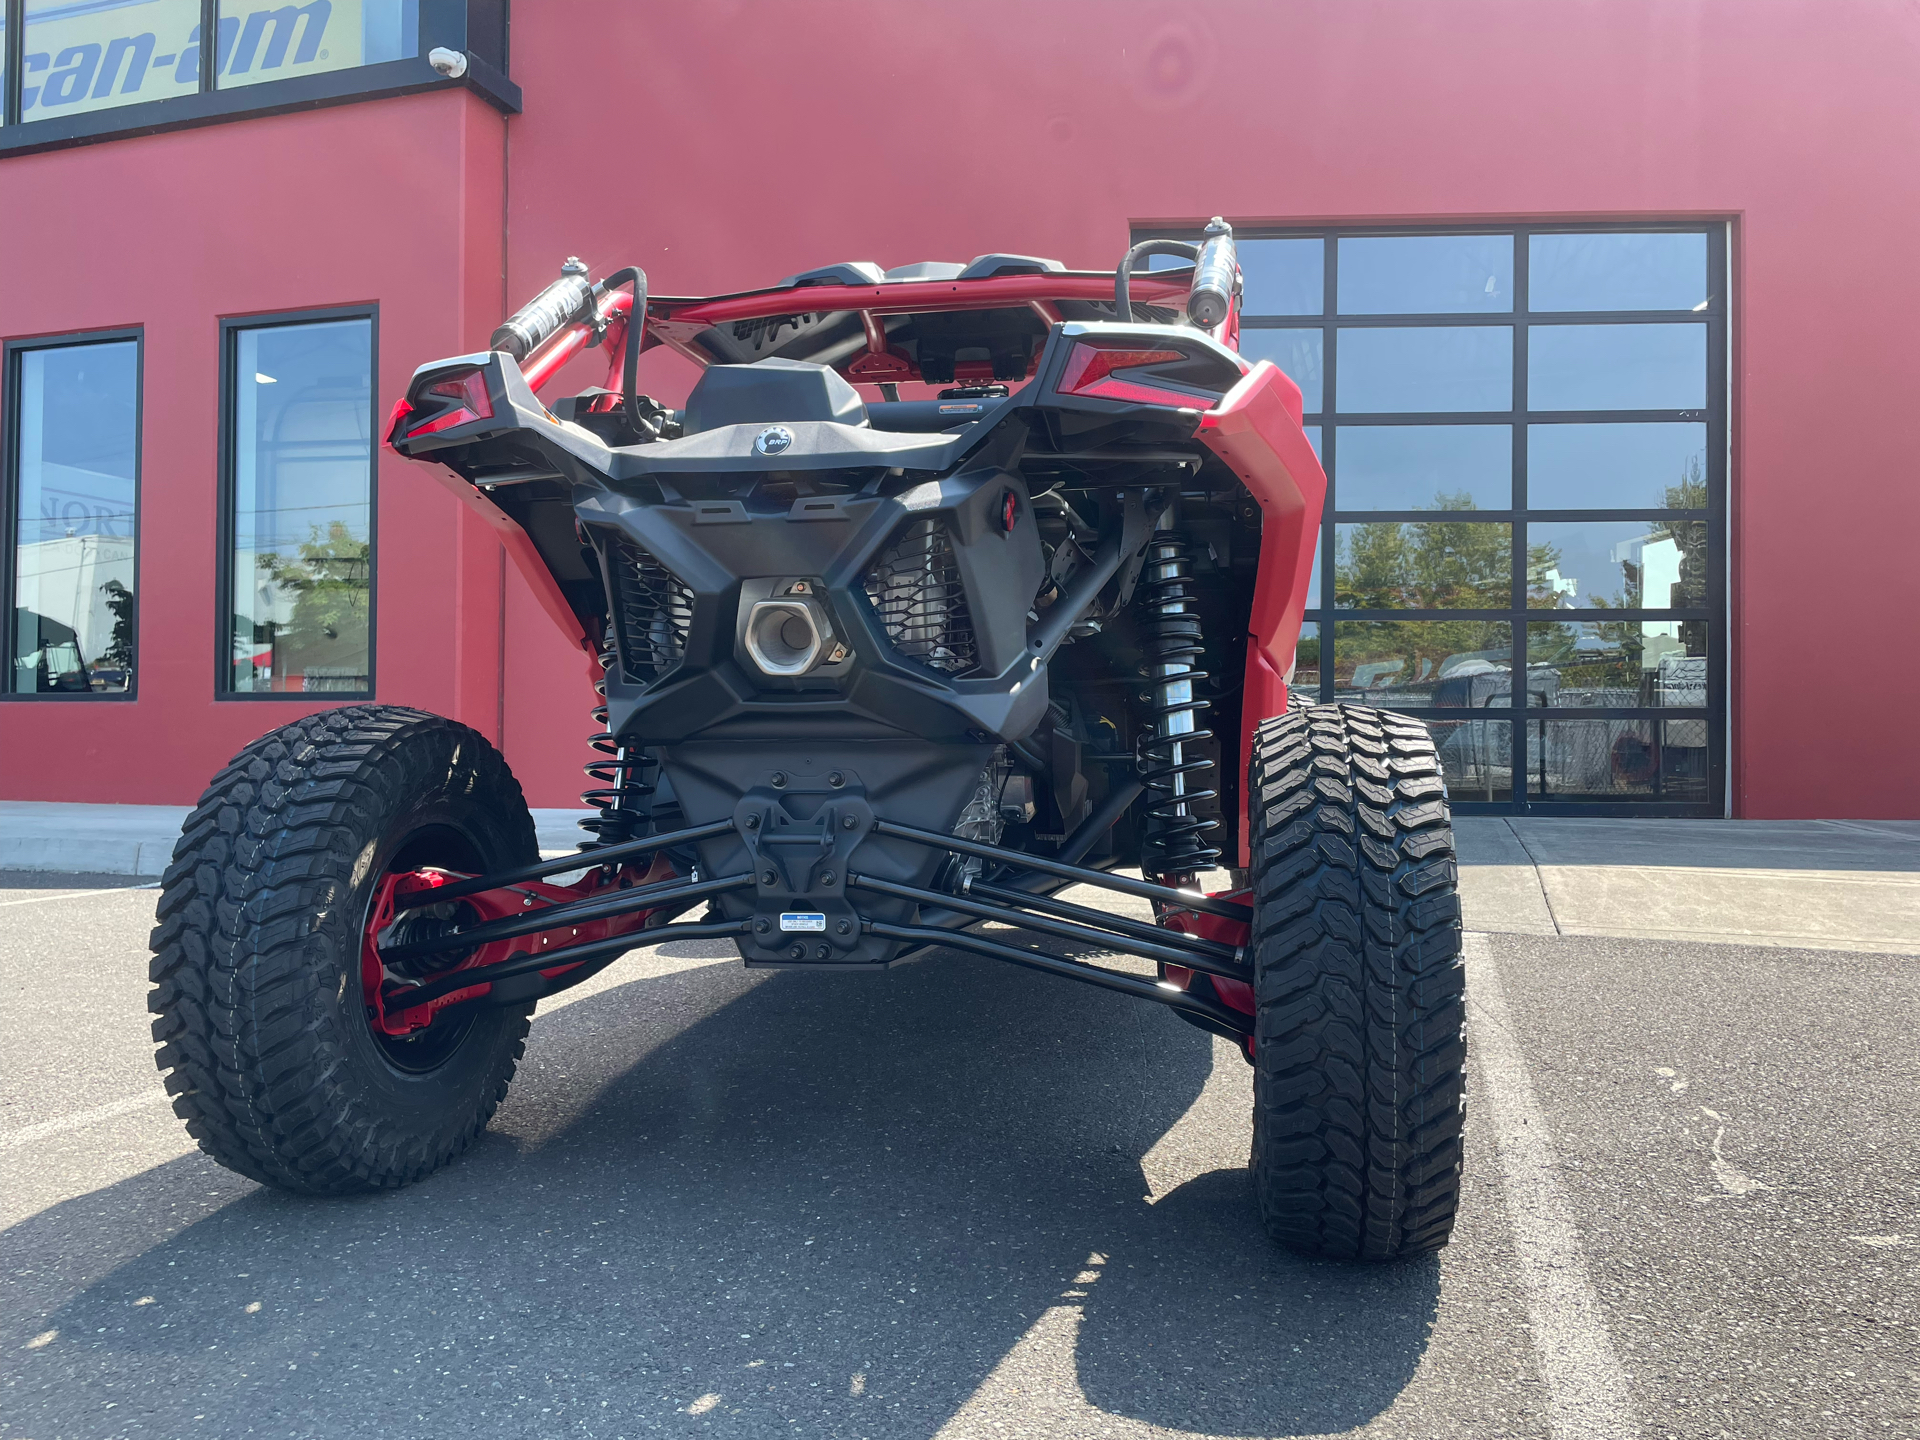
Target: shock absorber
1173 757
622 794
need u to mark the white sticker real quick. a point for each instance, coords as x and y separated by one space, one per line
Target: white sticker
803 920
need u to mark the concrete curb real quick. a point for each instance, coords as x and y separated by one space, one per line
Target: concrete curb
137 840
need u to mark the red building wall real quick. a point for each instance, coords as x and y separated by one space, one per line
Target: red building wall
726 144
374 202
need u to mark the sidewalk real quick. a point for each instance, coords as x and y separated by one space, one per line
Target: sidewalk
1820 884
1823 884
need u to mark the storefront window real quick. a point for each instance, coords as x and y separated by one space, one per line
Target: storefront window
1423 565
1401 664
1437 368
1618 565
1296 352
1601 467
1618 270
1526 512
1617 367
1646 664
1426 467
1306 660
301 470
75 477
1425 274
1283 277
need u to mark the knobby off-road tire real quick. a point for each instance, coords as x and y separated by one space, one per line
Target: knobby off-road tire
264 1035
1360 1041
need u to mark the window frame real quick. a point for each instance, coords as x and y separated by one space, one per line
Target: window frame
477 28
1715 316
11 361
224 529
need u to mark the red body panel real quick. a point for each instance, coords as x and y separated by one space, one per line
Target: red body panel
1256 431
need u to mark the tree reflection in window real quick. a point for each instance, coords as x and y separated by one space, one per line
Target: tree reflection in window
329 582
1430 564
302 570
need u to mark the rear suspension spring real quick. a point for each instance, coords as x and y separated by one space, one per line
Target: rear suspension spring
1174 755
623 795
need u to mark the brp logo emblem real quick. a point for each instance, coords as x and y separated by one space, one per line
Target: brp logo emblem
773 440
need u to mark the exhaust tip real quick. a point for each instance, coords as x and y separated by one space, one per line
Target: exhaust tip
785 637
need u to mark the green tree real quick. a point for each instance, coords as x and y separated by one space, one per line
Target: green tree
119 652
330 584
1440 564
1433 564
1424 565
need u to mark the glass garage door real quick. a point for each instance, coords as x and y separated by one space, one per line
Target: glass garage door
1525 434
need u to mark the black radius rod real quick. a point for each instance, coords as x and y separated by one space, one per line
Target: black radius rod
1146 890
579 860
1232 1022
1171 953
1100 920
608 906
400 1001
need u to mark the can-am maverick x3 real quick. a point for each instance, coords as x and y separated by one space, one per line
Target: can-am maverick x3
872 676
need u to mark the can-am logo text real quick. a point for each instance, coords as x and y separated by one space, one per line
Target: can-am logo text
86 55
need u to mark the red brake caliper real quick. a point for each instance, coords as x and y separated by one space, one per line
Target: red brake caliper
387 1011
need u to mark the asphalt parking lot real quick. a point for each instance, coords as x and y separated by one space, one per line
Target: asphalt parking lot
963 1200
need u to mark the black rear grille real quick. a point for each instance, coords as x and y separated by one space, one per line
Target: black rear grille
652 611
915 589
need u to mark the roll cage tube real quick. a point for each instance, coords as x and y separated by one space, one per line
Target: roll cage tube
572 313
674 321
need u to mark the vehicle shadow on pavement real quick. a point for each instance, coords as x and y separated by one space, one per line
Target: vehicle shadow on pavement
807 1204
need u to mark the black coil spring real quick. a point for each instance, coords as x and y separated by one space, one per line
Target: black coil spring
653 610
1173 753
622 795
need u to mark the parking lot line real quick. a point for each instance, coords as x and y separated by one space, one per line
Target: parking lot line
78 894
47 1129
1589 1396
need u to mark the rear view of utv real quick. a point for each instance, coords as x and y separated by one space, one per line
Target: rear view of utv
872 676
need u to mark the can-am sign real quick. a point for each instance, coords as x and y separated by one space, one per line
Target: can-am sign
91 54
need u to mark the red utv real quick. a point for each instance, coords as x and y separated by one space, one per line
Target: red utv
873 675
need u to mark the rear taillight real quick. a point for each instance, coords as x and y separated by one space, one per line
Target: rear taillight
449 401
469 391
1126 373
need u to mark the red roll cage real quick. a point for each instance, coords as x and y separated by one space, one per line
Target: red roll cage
675 321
